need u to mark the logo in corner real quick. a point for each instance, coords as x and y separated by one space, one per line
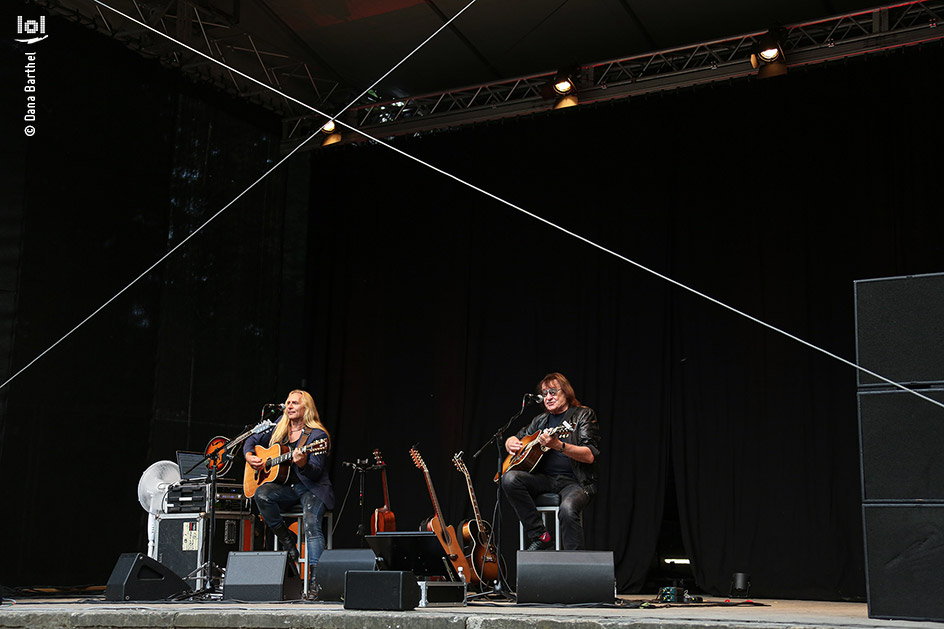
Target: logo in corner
31 27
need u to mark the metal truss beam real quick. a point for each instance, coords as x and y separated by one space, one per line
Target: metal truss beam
214 27
843 36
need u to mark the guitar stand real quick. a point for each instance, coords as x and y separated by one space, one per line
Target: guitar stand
497 593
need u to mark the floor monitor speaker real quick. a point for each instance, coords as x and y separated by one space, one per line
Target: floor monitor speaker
386 590
329 574
566 576
137 577
260 576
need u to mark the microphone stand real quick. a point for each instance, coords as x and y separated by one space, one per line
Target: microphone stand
212 583
361 467
497 592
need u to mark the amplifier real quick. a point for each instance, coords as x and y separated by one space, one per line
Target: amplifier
230 498
187 498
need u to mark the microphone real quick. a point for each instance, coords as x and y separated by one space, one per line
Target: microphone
533 397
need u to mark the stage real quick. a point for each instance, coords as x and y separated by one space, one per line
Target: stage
36 613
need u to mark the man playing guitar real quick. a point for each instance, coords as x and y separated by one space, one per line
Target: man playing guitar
307 480
567 468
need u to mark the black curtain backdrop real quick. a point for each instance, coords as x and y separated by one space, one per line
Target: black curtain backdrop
434 307
424 310
128 160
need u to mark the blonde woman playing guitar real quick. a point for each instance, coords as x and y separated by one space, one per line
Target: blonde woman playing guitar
306 480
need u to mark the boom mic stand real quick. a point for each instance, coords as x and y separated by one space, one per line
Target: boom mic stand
214 461
497 438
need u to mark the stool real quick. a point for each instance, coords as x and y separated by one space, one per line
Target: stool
301 544
546 503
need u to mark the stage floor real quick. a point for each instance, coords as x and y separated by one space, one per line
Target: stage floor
36 613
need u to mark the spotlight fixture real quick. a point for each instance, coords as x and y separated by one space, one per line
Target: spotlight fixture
740 585
767 55
564 85
565 82
562 88
329 127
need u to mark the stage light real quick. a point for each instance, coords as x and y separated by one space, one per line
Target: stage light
564 86
767 56
740 585
329 127
565 82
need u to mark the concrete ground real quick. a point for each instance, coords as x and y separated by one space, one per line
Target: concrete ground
37 613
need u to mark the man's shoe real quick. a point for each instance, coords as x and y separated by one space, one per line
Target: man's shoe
541 543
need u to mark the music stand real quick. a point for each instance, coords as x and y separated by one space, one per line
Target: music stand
421 554
418 552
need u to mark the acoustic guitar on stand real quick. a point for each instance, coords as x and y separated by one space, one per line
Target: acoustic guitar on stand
528 457
383 520
275 469
446 534
483 556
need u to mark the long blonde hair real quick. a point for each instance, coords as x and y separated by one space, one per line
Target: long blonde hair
312 418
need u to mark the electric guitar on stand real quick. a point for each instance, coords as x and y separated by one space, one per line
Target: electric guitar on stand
275 470
483 556
446 534
383 520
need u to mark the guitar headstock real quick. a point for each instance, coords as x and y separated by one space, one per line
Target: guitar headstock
317 447
563 430
460 464
378 459
262 426
417 459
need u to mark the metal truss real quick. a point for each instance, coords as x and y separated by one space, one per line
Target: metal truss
883 28
214 28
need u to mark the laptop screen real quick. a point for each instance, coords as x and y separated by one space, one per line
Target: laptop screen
186 460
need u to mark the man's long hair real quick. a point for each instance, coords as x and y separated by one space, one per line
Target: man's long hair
312 418
564 385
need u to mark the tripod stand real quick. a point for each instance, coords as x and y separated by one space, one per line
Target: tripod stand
218 456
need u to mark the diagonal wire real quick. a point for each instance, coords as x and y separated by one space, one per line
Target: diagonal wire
238 196
482 191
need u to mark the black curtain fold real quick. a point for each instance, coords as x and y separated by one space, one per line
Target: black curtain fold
424 310
774 216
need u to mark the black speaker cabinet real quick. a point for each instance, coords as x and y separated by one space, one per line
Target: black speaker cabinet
901 437
904 549
566 576
898 328
386 589
260 576
329 573
137 577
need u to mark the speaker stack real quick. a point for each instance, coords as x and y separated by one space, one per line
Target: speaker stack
900 335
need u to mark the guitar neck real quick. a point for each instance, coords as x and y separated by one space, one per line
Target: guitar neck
383 478
475 504
313 446
432 497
